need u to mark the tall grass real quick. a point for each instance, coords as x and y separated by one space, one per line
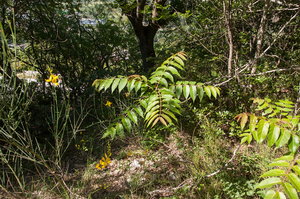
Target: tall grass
20 150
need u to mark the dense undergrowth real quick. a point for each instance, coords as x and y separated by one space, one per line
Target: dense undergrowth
53 147
156 135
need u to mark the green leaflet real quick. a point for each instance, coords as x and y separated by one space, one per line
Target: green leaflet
170 114
186 91
294 180
139 111
273 172
177 59
108 83
273 135
178 90
269 182
284 138
193 92
285 157
166 117
200 92
289 189
137 86
207 91
164 82
280 163
213 91
120 130
296 169
130 85
115 84
122 84
270 194
133 116
262 130
169 76
173 70
127 124
293 143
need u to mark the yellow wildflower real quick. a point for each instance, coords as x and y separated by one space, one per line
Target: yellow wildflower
127 94
75 145
82 140
80 133
52 78
129 154
108 103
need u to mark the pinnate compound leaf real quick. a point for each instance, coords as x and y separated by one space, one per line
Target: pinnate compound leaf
127 124
293 143
207 91
284 138
122 84
294 180
115 84
273 172
273 135
289 189
269 182
271 194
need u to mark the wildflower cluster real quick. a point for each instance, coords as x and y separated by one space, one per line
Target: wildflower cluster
129 154
105 160
52 78
104 186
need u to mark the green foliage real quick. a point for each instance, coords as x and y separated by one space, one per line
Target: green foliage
159 96
278 124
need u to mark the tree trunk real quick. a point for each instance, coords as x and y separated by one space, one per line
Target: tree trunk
145 36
